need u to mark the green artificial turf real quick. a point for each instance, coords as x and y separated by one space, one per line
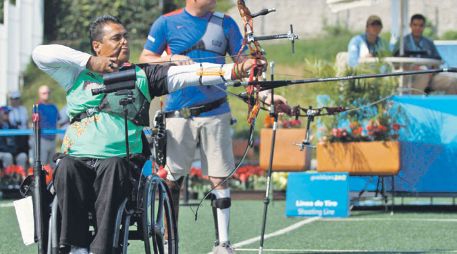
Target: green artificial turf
372 231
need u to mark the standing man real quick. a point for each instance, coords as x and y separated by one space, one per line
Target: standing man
49 115
368 44
198 115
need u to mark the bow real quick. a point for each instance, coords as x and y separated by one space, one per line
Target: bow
256 52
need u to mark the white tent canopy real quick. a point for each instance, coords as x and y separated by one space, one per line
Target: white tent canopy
341 5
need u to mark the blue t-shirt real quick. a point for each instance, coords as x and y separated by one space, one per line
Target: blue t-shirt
423 44
359 44
49 115
178 31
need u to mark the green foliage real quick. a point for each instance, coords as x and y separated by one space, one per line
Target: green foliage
430 30
69 20
323 48
337 30
33 79
449 35
368 118
224 5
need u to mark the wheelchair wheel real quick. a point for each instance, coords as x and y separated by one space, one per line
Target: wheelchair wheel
160 230
54 229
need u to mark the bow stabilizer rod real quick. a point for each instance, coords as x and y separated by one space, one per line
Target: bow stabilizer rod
266 85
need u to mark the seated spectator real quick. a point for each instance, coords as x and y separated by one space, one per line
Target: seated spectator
18 115
367 44
416 45
8 143
18 119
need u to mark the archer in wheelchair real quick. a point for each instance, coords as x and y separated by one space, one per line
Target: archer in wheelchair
104 148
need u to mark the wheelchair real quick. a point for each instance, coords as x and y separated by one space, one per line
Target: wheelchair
146 215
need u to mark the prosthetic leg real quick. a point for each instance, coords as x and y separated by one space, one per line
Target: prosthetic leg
220 202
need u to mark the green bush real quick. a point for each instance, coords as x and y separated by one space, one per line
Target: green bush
69 20
449 35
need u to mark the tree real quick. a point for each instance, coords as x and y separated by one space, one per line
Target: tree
68 20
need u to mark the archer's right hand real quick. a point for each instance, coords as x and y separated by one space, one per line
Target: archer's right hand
102 64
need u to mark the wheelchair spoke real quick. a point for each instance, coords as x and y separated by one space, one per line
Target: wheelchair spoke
160 208
158 218
149 213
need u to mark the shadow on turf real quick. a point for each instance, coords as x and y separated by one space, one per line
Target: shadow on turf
409 208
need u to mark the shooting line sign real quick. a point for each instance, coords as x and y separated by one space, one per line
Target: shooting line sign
317 195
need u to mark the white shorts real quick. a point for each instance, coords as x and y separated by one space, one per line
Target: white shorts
213 134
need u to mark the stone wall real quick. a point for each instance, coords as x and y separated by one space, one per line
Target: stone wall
310 16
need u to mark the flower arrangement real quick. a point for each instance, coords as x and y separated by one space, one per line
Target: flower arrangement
380 127
284 121
247 177
198 182
245 172
370 115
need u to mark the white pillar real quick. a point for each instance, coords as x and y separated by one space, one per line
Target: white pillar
13 37
4 55
21 32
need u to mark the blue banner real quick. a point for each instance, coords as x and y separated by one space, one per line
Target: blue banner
317 194
429 144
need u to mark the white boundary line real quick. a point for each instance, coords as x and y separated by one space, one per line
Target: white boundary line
336 251
310 220
10 204
276 233
390 219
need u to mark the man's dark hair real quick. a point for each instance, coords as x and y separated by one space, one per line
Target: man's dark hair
417 16
96 28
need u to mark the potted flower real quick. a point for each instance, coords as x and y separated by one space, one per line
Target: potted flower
362 141
287 155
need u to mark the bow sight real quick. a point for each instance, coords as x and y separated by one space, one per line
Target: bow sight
289 35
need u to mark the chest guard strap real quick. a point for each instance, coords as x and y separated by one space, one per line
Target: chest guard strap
213 40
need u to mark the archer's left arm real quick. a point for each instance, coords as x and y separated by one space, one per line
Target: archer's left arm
165 79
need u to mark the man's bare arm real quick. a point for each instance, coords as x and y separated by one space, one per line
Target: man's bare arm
148 56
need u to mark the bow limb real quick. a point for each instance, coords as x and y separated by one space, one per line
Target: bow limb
255 52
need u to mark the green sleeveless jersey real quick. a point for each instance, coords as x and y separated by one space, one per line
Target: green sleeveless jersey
101 135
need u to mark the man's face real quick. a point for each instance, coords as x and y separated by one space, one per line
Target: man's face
374 29
114 43
206 5
43 94
417 27
15 101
